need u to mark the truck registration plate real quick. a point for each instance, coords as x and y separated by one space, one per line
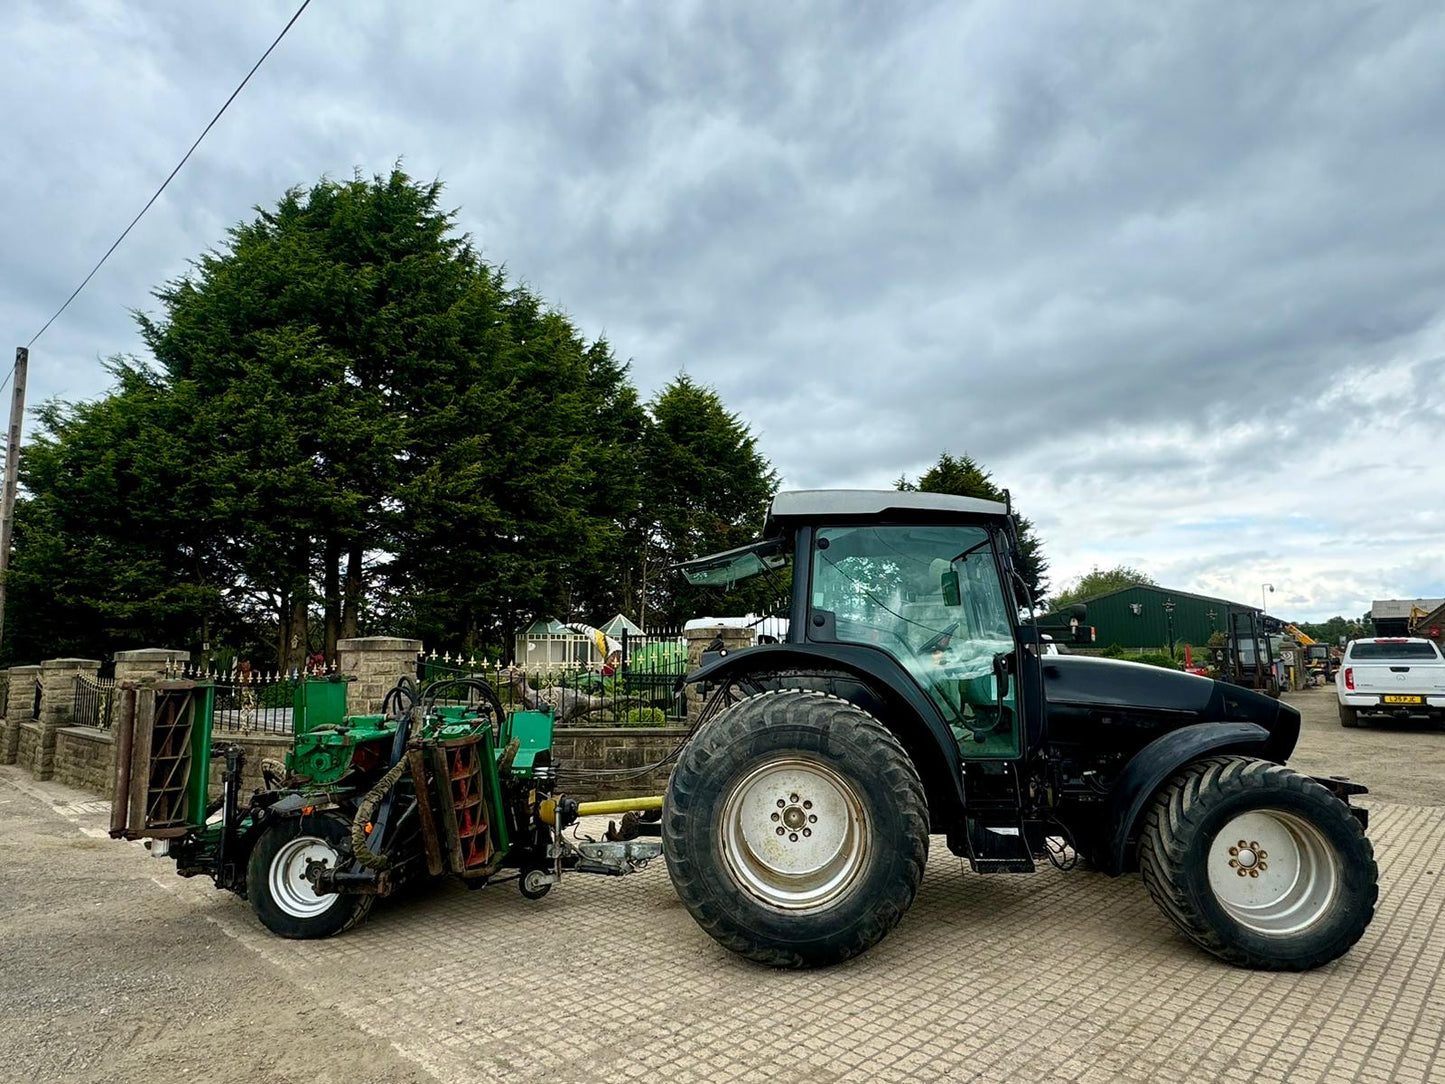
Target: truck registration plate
1404 699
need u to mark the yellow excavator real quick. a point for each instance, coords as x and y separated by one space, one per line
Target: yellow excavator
1318 660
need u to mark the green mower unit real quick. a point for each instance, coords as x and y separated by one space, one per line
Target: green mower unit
444 781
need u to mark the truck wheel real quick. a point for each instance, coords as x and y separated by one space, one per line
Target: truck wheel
276 881
1258 864
795 829
1349 716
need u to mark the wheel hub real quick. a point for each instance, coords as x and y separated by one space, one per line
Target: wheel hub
1273 872
287 878
794 833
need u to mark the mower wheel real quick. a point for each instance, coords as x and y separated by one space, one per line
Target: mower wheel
795 829
532 886
1349 716
276 881
1259 865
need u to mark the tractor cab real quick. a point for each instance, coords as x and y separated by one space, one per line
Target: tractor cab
924 579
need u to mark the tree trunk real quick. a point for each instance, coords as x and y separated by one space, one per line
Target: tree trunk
351 610
331 587
283 627
296 644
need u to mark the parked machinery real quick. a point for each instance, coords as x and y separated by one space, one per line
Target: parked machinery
909 702
442 781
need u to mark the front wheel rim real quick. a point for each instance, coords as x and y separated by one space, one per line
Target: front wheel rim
794 834
290 888
1273 872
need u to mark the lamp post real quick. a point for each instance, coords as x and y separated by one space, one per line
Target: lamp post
1169 622
1262 587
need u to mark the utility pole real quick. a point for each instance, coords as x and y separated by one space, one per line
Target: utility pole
12 469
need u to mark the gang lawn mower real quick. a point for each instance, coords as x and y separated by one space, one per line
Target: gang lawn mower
442 781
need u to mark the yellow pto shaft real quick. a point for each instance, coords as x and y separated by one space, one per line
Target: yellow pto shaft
547 811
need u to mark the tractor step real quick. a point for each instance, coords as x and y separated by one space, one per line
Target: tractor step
998 848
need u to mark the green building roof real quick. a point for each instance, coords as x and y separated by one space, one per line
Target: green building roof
1141 615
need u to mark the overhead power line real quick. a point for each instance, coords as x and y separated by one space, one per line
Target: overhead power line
162 188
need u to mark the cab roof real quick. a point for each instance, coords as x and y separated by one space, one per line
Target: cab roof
807 505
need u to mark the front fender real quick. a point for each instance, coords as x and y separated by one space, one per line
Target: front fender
1152 766
887 692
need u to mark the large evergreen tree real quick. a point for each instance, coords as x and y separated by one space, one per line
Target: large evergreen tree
963 476
705 487
348 413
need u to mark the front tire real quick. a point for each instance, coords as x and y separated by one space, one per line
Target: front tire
276 881
1258 865
795 829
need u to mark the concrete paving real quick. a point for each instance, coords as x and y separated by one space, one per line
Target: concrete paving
1054 977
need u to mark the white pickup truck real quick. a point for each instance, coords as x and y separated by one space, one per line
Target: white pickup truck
1403 677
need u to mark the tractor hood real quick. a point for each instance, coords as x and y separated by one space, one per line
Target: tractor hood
1114 704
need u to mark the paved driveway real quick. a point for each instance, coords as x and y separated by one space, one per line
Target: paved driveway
1051 977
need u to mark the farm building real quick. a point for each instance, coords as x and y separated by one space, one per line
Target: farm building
1402 616
1146 616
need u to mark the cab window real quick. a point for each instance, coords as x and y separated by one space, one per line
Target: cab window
930 597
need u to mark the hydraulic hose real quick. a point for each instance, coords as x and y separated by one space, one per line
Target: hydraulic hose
360 845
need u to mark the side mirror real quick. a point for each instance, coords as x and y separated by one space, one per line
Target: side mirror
952 594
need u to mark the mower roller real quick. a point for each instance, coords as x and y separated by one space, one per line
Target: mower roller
441 782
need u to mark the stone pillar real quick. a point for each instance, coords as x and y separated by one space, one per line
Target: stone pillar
19 701
371 665
145 663
697 642
57 706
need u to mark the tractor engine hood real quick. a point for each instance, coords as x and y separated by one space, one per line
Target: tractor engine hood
1111 703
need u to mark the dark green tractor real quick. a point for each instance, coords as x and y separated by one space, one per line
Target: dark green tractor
442 781
910 701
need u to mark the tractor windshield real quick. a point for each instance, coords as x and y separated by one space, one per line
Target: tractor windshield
931 597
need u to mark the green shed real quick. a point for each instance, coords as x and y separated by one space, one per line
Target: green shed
1145 616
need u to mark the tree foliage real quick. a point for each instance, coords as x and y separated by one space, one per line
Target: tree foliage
705 487
1098 581
351 422
963 476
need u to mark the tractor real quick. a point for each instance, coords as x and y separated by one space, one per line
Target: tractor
911 700
444 781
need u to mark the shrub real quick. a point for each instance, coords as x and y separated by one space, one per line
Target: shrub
643 717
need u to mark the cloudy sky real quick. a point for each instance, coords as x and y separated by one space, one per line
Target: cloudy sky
1174 272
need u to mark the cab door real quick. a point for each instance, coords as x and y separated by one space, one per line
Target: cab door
932 597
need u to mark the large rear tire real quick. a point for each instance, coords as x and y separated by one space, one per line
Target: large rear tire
276 881
1349 716
1259 865
795 829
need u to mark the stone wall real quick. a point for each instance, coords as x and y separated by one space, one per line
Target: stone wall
148 662
613 748
85 759
57 707
29 747
20 699
372 665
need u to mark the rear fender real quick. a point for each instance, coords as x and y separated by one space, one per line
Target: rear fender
885 690
1151 768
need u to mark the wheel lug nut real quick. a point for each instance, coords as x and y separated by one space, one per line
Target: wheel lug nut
781 803
1234 850
1234 863
1241 872
807 805
807 831
812 818
793 837
1241 844
775 816
780 832
793 798
1254 873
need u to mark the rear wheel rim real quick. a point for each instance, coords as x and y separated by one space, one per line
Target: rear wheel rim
291 890
1273 872
794 834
